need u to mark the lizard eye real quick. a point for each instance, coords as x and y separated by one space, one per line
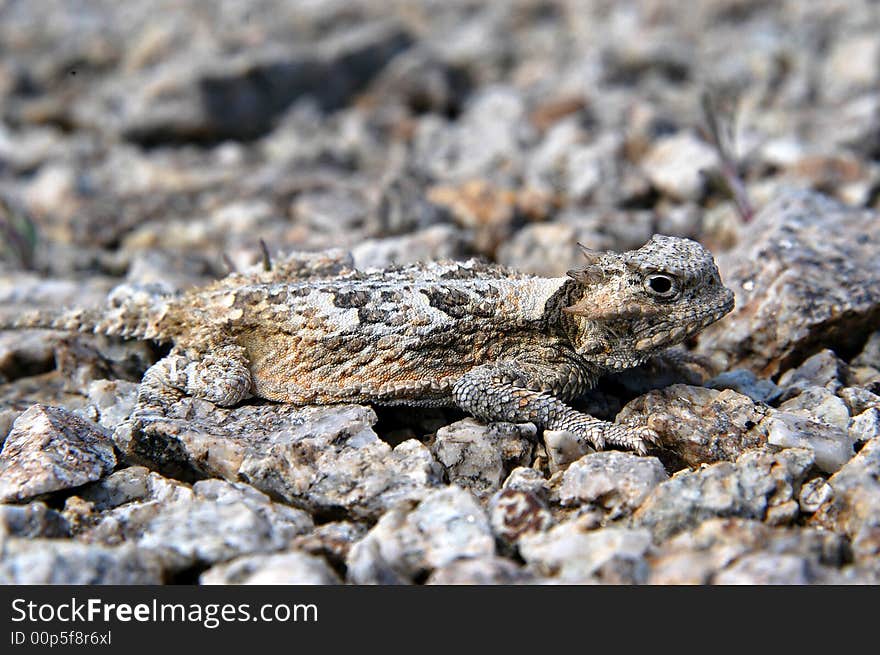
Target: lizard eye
661 285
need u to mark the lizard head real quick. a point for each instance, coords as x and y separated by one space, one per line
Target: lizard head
632 305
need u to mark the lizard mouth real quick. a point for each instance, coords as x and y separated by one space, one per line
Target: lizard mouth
659 338
641 346
626 348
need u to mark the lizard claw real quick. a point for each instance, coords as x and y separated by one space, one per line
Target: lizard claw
635 437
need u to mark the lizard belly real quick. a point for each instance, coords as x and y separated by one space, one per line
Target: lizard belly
349 369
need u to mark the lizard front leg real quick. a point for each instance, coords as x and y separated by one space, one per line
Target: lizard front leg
220 376
522 391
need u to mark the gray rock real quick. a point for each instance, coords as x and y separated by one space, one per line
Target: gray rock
488 137
563 448
328 210
767 569
113 401
870 354
547 249
759 485
238 96
478 457
854 508
699 425
614 482
524 478
832 446
550 249
286 568
7 418
27 353
61 561
331 541
824 369
852 64
676 164
819 404
743 381
213 521
568 162
573 554
733 551
432 243
480 571
126 485
50 449
865 426
859 399
322 459
808 276
515 512
32 520
814 494
448 524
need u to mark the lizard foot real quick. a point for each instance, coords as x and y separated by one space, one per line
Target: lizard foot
598 434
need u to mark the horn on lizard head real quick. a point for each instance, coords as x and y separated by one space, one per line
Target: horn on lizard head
591 271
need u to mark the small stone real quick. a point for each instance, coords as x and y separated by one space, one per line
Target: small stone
62 561
824 369
820 404
431 244
480 571
114 401
125 486
675 165
330 209
832 446
700 555
852 64
322 459
615 482
287 568
523 478
782 514
865 426
699 425
870 355
572 554
854 507
478 457
210 522
27 353
546 249
859 399
32 521
814 494
408 542
563 448
50 449
749 488
487 137
745 382
513 513
332 541
767 569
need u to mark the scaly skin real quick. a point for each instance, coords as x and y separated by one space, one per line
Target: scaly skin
500 345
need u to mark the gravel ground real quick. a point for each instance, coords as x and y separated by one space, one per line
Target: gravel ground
147 142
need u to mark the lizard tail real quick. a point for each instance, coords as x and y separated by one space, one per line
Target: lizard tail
132 317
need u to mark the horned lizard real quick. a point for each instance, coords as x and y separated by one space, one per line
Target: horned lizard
501 345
